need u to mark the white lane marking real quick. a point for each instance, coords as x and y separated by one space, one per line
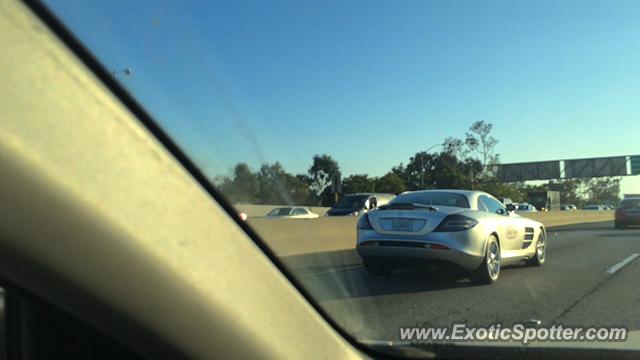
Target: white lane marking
618 266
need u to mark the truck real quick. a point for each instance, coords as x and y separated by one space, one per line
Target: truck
544 200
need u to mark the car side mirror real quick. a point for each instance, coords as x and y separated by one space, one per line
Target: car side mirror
511 208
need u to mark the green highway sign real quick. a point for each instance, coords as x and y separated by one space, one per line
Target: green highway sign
635 165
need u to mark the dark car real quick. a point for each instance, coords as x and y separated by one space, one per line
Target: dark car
358 204
628 213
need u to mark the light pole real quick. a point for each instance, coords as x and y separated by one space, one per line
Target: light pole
422 167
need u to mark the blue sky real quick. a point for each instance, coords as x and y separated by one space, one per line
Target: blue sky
373 82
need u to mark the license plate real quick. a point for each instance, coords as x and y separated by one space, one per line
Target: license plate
402 224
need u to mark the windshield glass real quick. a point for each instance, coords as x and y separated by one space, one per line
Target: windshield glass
284 104
351 202
433 198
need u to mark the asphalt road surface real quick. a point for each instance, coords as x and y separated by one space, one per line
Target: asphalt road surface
579 284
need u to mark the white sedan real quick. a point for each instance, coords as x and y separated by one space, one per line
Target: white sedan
296 212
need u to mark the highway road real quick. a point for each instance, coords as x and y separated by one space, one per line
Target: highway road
579 285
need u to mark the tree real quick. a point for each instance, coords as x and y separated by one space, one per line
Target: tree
322 171
399 170
417 172
603 191
448 172
242 186
272 181
460 165
443 170
390 183
480 141
358 183
311 197
455 147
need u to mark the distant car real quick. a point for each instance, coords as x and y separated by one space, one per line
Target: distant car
568 207
469 231
358 204
595 208
627 213
526 208
293 212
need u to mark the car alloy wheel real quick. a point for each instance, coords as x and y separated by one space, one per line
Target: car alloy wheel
489 271
493 259
541 251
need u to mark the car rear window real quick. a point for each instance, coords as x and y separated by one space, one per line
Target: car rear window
433 198
630 203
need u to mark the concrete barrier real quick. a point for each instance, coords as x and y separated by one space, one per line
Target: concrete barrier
560 218
325 234
298 236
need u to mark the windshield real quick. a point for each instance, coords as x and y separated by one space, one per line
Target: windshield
285 104
433 198
351 202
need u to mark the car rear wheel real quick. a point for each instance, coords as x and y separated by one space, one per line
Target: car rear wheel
377 267
489 270
541 251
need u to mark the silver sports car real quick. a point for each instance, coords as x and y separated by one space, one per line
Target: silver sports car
468 233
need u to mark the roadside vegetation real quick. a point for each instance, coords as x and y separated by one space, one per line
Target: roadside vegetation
461 163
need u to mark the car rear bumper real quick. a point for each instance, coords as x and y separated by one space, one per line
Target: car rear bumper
463 248
413 256
627 220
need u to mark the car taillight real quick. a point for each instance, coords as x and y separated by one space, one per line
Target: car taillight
456 223
364 223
